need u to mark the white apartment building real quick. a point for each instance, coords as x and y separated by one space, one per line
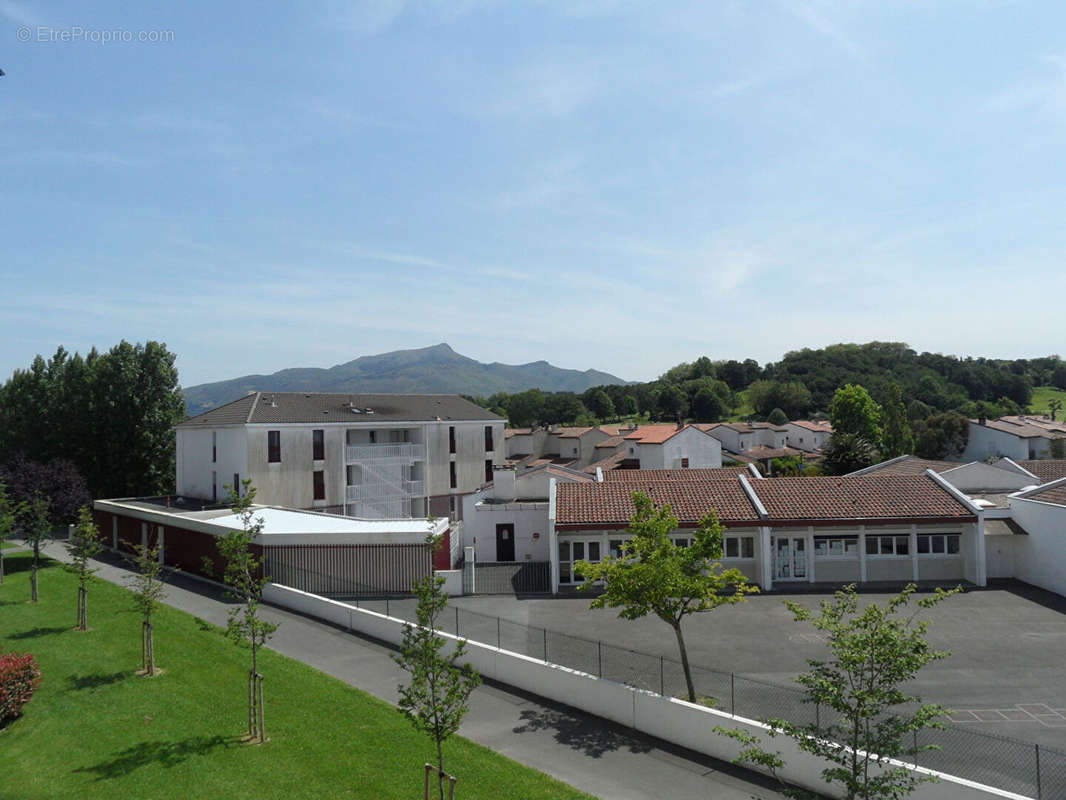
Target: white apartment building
806 435
1016 437
380 456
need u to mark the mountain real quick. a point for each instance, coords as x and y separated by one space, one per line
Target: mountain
429 370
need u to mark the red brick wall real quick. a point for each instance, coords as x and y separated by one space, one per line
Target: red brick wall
442 556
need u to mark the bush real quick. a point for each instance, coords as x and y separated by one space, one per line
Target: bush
19 678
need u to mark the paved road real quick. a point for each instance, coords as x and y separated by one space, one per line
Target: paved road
596 756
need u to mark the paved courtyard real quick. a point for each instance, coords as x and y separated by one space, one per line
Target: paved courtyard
1006 673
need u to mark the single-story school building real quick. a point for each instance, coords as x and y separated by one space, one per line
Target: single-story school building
783 531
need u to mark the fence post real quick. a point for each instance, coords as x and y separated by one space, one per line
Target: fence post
733 693
818 717
916 747
457 621
599 656
1039 788
497 633
662 678
545 630
387 614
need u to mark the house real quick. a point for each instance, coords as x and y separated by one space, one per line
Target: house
739 437
670 447
807 435
373 456
874 528
1019 438
507 519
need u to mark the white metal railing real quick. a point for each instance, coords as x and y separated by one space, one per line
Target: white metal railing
372 452
399 489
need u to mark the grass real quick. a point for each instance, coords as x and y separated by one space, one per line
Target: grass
9 545
1042 395
95 729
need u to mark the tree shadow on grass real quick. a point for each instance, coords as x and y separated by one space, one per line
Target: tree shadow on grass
590 735
164 754
36 633
95 680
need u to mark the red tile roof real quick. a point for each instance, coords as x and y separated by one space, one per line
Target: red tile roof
572 433
1053 494
610 504
609 465
856 498
657 434
762 452
817 427
509 432
875 498
1047 469
613 441
907 465
656 475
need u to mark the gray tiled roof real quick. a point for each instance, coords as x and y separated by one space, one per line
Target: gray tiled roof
304 407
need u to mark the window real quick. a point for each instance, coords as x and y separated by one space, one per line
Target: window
373 436
488 439
614 548
452 477
237 483
214 446
451 505
318 444
488 470
680 541
739 546
214 486
888 545
684 463
318 481
451 439
273 446
938 544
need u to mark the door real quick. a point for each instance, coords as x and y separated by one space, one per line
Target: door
505 542
790 558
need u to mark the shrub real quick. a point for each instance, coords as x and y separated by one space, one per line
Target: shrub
19 678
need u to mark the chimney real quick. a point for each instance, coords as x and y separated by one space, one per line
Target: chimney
680 424
503 483
981 421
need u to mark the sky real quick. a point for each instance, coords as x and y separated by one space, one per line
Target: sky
602 184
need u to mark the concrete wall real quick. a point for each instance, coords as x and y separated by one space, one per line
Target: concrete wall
999 552
672 720
479 528
453 581
803 439
1039 557
194 465
984 442
836 570
289 482
469 457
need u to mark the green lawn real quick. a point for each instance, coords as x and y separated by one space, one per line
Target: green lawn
1042 395
744 408
9 545
95 729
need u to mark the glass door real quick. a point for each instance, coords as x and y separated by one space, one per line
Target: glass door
790 558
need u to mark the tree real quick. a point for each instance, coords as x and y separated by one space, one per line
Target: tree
526 408
84 545
435 701
707 406
599 403
1054 406
897 439
876 651
777 417
652 575
1057 448
854 411
148 593
243 575
792 397
941 435
36 527
58 481
673 404
847 452
10 511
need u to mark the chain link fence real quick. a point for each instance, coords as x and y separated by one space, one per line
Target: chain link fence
1010 764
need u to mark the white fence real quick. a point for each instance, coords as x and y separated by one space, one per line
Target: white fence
667 718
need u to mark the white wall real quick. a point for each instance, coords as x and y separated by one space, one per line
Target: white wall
673 720
479 527
978 476
194 460
811 440
985 442
1040 557
701 450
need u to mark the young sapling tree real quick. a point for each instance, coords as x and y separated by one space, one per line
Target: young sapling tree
148 593
435 701
243 575
85 544
36 527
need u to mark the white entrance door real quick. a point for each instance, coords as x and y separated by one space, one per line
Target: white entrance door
790 558
573 550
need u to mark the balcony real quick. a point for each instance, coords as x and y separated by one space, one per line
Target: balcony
370 492
384 453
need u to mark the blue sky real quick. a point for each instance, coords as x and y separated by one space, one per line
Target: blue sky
601 184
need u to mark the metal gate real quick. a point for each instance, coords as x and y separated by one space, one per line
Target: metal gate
507 577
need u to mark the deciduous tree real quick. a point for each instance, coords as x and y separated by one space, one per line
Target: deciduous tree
243 574
652 575
148 593
10 511
435 701
854 411
876 651
36 527
85 544
898 439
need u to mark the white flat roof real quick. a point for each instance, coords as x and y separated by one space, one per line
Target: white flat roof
282 521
